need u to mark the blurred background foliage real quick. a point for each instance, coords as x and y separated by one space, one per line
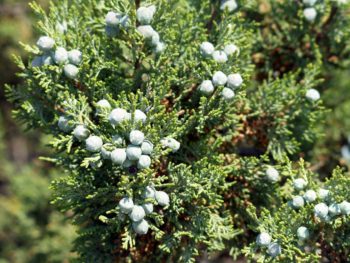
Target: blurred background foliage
30 229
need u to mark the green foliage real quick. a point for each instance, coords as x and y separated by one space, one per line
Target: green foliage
219 194
282 117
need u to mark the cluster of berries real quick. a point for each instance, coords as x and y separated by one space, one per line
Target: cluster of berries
119 115
329 209
207 50
137 213
232 82
322 211
135 153
325 213
144 15
114 22
309 196
60 56
273 248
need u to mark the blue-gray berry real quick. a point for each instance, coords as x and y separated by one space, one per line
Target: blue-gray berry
334 209
102 105
46 60
45 43
145 14
113 19
118 156
148 207
127 163
62 27
206 87
112 31
75 57
146 147
117 116
263 239
309 2
140 116
133 152
234 81
310 196
94 143
106 154
310 14
136 137
312 94
64 125
219 78
81 132
159 48
61 56
345 207
126 205
323 194
298 201
231 49
155 39
303 233
37 62
299 183
144 162
140 227
345 153
137 213
274 249
118 140
321 210
146 31
227 94
171 143
125 21
207 49
272 174
43 60
71 71
162 198
219 56
149 192
229 5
